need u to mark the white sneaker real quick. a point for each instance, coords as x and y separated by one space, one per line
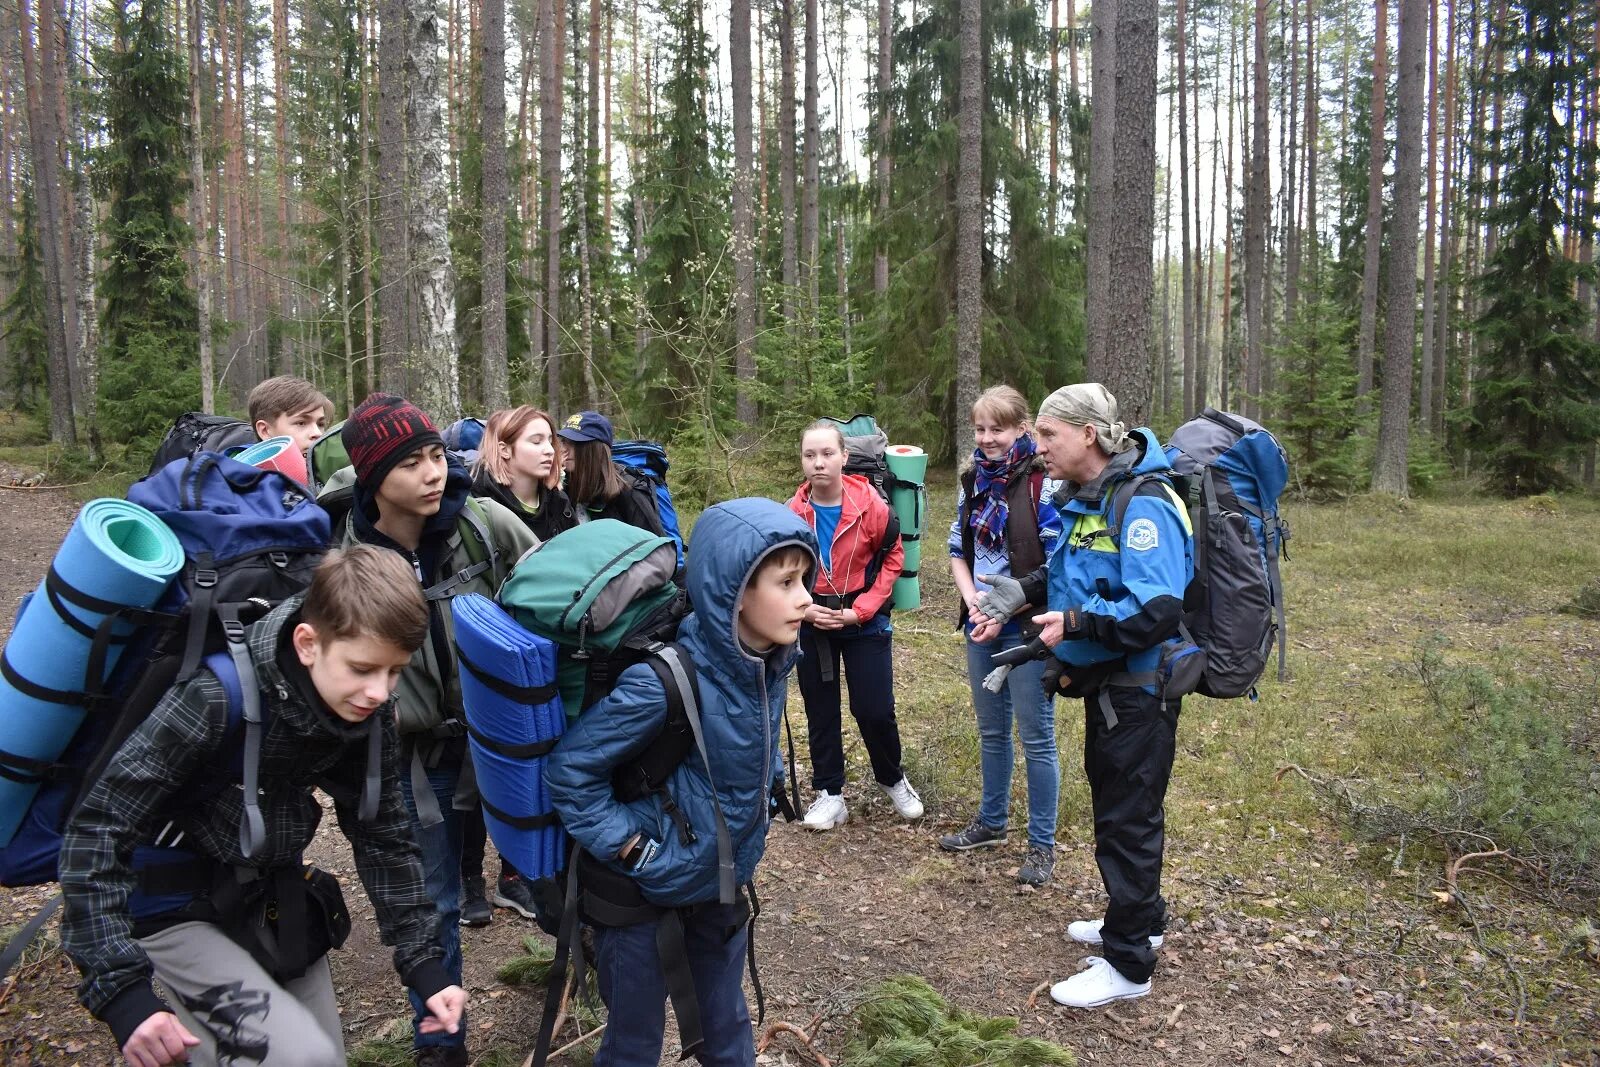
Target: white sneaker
1099 984
1087 932
906 802
826 812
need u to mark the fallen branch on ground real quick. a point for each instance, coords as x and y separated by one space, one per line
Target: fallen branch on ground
806 1040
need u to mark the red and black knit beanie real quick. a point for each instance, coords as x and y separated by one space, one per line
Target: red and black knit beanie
381 432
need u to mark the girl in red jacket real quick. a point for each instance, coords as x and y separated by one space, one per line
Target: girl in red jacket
848 625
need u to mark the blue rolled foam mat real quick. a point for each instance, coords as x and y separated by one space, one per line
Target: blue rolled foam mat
116 552
495 644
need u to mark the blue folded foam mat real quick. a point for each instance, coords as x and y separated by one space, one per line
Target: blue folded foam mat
117 555
514 718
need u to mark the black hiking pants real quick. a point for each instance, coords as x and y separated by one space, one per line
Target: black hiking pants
1128 767
863 654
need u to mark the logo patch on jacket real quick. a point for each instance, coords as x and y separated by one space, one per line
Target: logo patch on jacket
1142 535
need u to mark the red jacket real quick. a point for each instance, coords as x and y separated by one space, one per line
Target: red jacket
863 520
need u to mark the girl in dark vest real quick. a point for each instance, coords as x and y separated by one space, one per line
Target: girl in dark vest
1005 525
598 487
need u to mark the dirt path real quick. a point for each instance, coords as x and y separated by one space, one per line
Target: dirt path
1247 976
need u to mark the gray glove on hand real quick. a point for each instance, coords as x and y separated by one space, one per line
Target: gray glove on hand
1004 597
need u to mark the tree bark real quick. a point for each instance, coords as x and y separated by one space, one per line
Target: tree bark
43 139
641 326
1309 243
1127 368
1055 111
1425 378
1400 320
969 216
280 109
83 371
1257 195
1102 172
786 162
553 24
496 376
1186 323
743 236
197 210
1367 331
436 383
810 219
1441 339
885 161
393 200
584 160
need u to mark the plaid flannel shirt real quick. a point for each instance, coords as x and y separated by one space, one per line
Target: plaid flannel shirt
165 771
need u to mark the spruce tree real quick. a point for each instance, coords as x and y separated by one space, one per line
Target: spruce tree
150 329
22 318
1534 405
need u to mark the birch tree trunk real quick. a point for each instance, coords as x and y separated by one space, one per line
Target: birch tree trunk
393 199
1425 378
197 211
436 385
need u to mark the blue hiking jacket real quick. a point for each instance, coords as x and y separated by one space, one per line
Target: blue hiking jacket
742 698
1131 595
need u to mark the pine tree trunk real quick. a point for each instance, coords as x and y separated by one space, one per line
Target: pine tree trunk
969 216
1102 173
743 236
436 383
1425 377
53 47
885 161
197 210
84 369
1186 324
641 326
1372 254
786 162
841 284
553 22
1310 245
1127 367
43 137
1291 191
496 377
810 219
393 200
1257 194
369 335
10 84
585 127
1441 338
280 109
1163 382
1400 321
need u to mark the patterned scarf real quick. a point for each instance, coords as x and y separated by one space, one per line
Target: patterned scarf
989 517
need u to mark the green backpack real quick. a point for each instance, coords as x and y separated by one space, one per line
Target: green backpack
603 592
327 458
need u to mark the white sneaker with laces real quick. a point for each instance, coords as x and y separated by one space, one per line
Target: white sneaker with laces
1100 983
826 812
906 802
1087 932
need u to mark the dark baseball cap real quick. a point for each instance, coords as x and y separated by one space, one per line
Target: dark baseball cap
587 426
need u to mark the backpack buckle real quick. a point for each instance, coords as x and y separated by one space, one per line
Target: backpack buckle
233 630
279 560
205 578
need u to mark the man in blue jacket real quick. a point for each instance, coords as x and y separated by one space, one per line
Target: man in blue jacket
1115 598
682 855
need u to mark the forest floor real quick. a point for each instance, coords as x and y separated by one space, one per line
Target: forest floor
1298 937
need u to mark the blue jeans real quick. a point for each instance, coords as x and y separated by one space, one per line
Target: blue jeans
441 872
1023 698
628 969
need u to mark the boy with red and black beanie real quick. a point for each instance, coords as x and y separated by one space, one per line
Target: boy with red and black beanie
408 495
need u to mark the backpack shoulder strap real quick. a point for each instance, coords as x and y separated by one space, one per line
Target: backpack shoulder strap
473 527
236 672
1123 495
676 671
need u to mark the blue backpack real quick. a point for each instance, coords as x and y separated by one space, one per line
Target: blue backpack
1234 471
251 538
646 462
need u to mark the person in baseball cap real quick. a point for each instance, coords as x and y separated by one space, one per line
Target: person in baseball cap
588 426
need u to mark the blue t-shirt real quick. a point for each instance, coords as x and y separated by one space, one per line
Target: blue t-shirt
827 523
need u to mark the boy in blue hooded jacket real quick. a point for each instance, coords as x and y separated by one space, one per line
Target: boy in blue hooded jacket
750 596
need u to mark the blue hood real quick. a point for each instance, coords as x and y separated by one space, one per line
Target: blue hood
732 538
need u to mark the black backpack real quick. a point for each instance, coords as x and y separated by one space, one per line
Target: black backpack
196 431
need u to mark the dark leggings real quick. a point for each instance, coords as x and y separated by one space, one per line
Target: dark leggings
863 653
474 836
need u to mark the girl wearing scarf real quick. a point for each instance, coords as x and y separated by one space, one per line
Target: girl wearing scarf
1006 525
